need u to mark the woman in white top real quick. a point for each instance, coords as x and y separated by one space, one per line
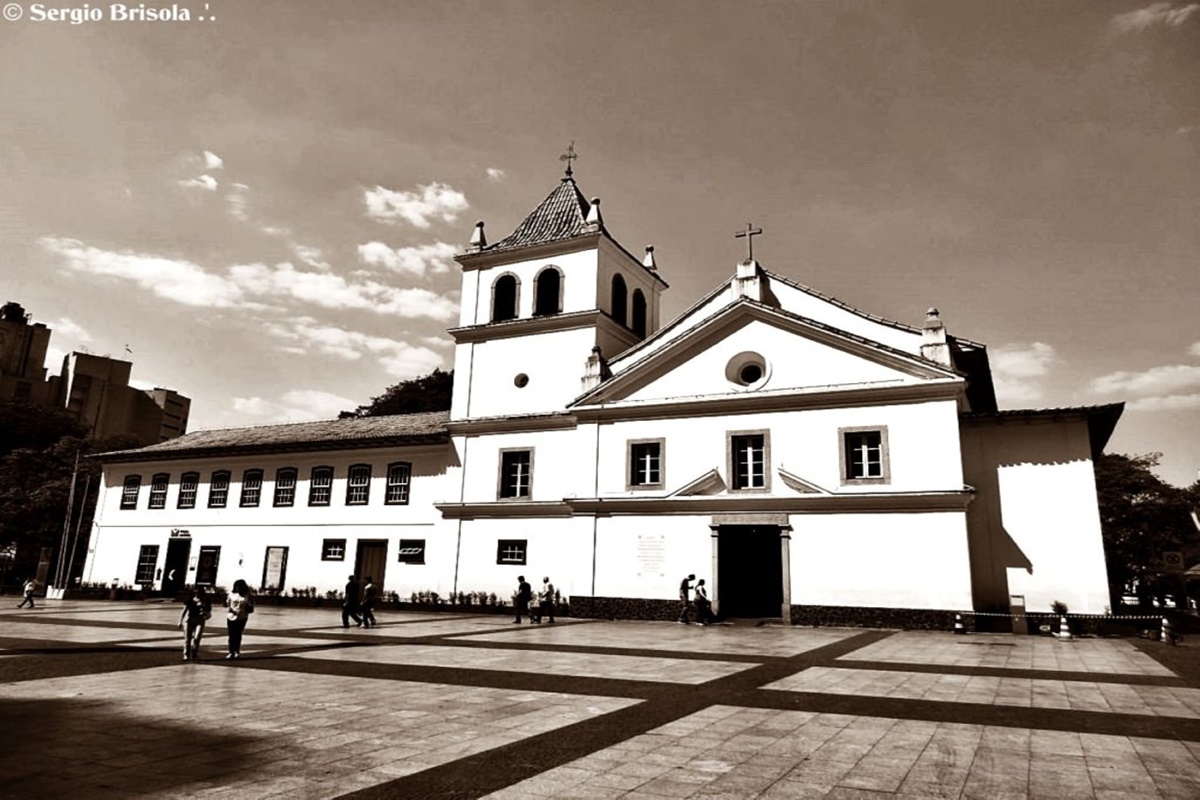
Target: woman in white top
241 606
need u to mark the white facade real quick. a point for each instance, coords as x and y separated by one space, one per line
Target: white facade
792 450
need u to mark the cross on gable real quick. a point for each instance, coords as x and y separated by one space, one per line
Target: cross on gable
749 235
569 157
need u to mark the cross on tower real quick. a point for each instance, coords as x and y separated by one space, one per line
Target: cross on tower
749 235
569 157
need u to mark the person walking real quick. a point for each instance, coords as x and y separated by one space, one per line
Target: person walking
370 593
196 611
685 588
521 601
351 603
704 614
30 587
241 606
546 601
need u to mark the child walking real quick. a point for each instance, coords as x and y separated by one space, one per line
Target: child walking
197 608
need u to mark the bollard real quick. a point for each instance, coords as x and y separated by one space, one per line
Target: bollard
1064 629
959 628
1168 632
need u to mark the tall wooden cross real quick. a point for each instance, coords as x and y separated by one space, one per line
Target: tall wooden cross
569 157
749 235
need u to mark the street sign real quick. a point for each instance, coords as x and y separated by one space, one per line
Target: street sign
1173 561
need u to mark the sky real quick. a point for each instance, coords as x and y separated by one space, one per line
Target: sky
263 205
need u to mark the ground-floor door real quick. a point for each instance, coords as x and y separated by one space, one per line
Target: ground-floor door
206 566
274 569
749 571
371 561
175 567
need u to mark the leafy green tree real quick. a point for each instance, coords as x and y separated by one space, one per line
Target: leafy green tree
1141 517
428 393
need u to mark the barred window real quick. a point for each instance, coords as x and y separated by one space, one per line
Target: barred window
398 480
285 486
147 561
511 551
189 484
412 551
333 550
251 487
129 494
320 486
218 489
158 490
358 485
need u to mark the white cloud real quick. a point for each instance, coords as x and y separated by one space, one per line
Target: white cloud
416 261
313 256
237 201
1163 380
212 161
206 182
1017 370
70 329
1171 402
1153 15
329 290
399 358
172 279
434 201
1194 349
495 175
299 405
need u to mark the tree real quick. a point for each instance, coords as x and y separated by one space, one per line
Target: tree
428 393
1142 517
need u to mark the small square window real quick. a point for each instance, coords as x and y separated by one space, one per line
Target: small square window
399 477
218 490
645 467
251 487
864 454
511 551
285 487
129 493
516 474
333 550
320 486
412 551
158 490
189 483
358 485
147 561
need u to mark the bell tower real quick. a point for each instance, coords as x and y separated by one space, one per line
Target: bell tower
537 303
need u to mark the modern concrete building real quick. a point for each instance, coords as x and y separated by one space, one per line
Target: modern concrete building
23 346
815 462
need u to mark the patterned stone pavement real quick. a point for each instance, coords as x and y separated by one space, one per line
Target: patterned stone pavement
97 704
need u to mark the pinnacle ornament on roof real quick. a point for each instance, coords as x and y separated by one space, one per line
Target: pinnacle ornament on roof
569 157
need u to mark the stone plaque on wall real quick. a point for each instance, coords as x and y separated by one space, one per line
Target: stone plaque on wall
651 555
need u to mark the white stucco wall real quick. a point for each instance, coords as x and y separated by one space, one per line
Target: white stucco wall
885 560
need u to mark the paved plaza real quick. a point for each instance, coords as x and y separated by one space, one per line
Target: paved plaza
96 702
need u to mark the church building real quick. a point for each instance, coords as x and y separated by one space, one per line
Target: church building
814 462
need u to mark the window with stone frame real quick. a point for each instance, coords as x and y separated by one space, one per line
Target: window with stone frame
516 474
749 460
644 463
864 455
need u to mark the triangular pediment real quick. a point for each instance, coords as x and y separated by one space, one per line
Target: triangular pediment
751 347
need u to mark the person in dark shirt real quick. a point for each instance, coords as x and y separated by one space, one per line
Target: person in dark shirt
351 603
685 587
370 593
521 601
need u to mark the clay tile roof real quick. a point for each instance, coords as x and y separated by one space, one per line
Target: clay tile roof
333 434
562 215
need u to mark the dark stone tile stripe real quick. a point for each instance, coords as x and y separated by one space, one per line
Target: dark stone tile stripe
1004 672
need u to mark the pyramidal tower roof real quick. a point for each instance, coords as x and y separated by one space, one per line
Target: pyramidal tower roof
562 215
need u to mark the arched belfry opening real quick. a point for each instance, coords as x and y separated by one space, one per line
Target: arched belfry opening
638 312
620 298
504 298
547 291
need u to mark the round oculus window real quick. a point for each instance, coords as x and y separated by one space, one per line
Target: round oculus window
747 369
521 381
